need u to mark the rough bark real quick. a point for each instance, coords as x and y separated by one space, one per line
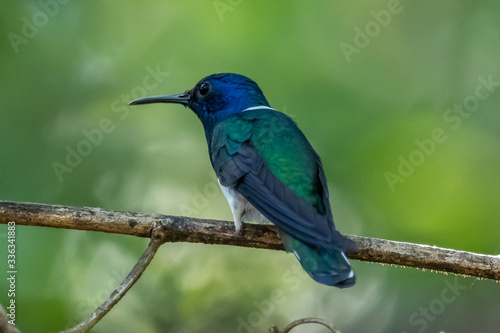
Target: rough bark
187 229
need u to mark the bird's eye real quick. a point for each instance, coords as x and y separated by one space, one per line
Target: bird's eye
205 87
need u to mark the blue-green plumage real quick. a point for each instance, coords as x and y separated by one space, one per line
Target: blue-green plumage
268 171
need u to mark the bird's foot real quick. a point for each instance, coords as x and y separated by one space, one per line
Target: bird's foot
239 229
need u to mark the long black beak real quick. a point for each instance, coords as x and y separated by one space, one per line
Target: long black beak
177 98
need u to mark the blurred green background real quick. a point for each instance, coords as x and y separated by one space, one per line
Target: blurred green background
364 81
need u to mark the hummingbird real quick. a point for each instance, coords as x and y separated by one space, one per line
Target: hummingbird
268 172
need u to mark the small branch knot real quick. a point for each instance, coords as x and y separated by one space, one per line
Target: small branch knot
158 234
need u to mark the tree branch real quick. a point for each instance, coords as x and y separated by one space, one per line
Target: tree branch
118 293
186 229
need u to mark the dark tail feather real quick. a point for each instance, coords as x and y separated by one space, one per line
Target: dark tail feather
329 267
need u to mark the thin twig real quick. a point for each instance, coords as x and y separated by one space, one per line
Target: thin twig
298 322
128 282
186 229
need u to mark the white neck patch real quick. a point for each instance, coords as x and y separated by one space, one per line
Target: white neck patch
258 107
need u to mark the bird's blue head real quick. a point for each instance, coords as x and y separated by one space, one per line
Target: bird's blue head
215 98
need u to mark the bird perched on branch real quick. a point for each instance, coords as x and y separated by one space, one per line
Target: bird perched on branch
267 170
